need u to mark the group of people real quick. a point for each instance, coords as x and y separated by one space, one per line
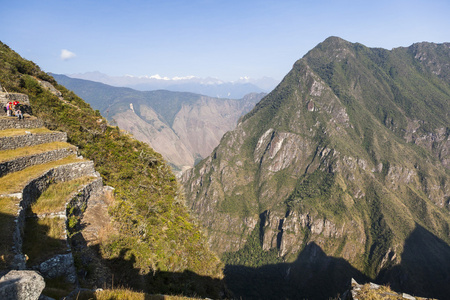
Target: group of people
13 109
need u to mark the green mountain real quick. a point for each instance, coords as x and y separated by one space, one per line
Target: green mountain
155 245
342 171
183 127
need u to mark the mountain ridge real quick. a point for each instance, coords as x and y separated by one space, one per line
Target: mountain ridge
346 153
212 87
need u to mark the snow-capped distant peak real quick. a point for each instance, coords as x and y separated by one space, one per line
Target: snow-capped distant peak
184 78
159 77
190 83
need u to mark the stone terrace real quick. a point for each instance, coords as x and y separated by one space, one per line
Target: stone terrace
23 178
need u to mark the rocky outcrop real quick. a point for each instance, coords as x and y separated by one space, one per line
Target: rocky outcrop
374 291
47 85
21 285
437 142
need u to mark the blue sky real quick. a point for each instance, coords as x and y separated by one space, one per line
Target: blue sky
225 39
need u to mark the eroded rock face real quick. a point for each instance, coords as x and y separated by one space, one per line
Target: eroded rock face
157 134
21 285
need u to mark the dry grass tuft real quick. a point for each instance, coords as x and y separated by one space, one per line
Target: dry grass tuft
126 294
108 197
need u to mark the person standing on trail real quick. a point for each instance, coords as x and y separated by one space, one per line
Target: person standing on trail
8 109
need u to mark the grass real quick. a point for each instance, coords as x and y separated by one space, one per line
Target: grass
8 209
57 288
126 294
37 149
55 197
21 131
15 182
44 238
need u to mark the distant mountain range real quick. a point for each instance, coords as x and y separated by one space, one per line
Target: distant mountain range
212 87
183 127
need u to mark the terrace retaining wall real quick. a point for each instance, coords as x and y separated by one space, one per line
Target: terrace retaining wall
31 139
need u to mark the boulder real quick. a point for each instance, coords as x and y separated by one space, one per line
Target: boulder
17 285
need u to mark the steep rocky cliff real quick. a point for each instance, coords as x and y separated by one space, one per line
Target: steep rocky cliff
347 157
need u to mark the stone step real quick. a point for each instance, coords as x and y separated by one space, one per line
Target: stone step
23 162
31 139
13 122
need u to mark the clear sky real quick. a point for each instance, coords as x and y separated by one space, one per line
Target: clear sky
226 39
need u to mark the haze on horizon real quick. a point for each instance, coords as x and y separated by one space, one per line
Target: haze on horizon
207 38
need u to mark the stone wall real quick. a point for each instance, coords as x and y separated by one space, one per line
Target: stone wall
59 265
34 189
11 97
62 265
21 163
82 196
13 122
31 139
